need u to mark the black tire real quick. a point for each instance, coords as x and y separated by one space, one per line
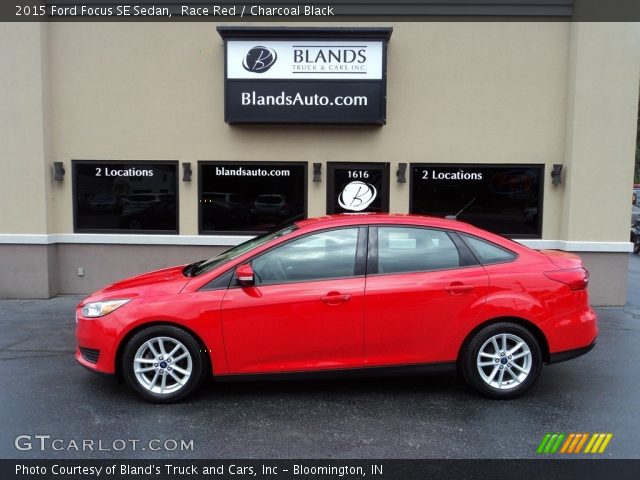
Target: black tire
190 357
636 247
484 378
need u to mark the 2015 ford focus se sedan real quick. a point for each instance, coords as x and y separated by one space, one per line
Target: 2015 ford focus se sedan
379 294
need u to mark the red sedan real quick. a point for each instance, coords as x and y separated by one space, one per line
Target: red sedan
340 295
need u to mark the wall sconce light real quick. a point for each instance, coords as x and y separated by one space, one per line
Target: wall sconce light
186 171
401 173
317 172
556 174
58 171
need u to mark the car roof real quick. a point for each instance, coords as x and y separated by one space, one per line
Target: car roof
378 218
346 219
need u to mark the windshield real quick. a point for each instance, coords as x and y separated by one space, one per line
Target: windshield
239 250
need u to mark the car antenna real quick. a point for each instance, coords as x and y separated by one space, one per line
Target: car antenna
455 217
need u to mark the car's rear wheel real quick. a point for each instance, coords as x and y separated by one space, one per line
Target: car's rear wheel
502 360
164 363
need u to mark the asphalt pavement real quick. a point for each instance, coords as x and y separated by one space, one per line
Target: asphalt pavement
51 407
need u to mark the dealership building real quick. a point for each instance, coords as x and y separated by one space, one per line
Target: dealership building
127 147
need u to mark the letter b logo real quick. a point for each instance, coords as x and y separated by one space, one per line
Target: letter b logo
357 196
259 59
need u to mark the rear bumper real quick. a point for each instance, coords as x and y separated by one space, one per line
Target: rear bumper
569 354
575 332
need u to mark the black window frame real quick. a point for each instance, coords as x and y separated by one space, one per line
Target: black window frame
331 187
540 166
249 164
119 231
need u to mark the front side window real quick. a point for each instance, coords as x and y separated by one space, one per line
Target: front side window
125 197
408 249
321 256
201 267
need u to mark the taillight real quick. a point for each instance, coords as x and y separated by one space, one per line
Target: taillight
575 278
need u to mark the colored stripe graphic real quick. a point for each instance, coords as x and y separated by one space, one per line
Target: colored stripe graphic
594 437
598 443
550 443
572 443
565 447
604 445
556 445
583 439
543 443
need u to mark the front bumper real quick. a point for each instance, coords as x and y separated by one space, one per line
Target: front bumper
97 343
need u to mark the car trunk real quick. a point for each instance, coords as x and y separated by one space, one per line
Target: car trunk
570 270
563 260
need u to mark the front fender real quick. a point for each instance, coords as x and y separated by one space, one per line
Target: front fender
197 312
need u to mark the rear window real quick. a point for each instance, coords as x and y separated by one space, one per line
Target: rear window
487 252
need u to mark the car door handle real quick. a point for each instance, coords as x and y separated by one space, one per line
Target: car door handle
335 298
458 288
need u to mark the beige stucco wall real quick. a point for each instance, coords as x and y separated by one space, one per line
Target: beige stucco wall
457 92
25 176
601 130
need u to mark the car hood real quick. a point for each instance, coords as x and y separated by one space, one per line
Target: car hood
159 282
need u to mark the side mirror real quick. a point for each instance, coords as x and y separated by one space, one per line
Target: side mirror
245 276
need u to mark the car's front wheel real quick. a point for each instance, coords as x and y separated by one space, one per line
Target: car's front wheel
502 360
163 363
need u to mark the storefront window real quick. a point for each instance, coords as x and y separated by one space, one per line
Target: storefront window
505 199
251 196
357 187
125 197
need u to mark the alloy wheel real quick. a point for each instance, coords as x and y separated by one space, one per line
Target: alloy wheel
162 365
504 361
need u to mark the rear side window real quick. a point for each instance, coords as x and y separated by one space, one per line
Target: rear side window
487 252
408 249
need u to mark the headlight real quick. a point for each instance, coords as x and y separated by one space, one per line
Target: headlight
100 309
